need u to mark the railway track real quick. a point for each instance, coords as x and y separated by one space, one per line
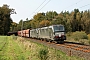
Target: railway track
71 49
76 47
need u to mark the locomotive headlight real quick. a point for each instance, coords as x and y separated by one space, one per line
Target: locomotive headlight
59 35
62 35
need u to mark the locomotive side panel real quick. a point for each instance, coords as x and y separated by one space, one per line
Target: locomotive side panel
33 33
43 33
46 33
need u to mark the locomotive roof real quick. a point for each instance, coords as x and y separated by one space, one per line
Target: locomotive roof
47 27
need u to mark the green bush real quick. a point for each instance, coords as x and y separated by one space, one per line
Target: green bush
43 54
89 42
88 36
79 35
69 34
82 41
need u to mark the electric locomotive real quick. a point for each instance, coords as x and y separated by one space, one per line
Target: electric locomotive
52 33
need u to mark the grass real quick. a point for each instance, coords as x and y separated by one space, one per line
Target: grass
11 50
78 37
17 48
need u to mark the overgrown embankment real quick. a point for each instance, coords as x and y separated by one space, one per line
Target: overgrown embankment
78 37
17 48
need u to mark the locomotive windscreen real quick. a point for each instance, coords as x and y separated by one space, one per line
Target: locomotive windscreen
58 28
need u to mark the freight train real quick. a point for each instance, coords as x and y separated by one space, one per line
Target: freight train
51 33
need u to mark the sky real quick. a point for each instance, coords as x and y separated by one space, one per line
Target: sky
28 8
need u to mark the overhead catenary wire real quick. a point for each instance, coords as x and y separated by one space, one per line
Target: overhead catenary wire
63 9
84 6
77 3
73 4
44 5
39 6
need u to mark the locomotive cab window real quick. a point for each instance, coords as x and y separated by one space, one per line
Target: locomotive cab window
58 28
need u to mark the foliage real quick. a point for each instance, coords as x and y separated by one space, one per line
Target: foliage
88 36
13 26
69 34
44 23
5 19
79 35
89 42
39 16
43 54
50 15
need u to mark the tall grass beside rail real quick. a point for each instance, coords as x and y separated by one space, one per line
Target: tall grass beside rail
89 38
79 37
41 52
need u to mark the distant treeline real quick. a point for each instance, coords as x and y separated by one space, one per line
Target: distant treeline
73 21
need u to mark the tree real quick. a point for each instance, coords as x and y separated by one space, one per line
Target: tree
51 15
44 23
73 21
86 21
13 26
39 16
5 19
